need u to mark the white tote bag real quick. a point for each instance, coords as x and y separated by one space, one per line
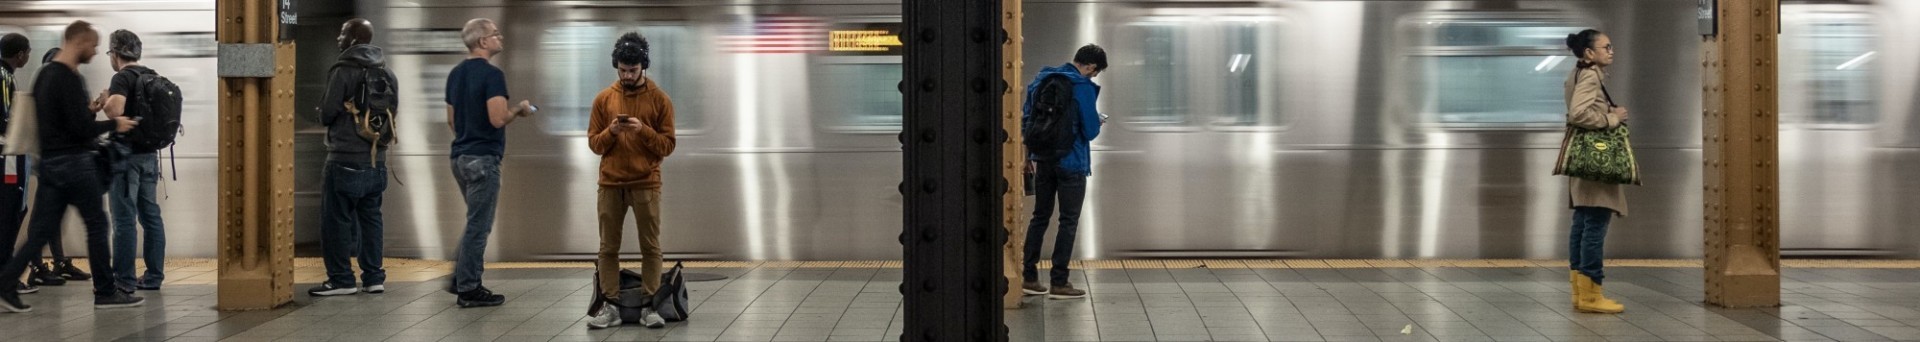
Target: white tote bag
23 133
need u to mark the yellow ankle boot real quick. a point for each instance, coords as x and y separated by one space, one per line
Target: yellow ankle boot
1592 298
1573 279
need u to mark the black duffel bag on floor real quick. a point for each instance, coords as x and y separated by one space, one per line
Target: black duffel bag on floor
671 300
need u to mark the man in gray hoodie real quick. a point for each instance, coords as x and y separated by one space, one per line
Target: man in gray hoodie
355 109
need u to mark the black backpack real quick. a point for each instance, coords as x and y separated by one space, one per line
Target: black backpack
375 104
1052 125
156 103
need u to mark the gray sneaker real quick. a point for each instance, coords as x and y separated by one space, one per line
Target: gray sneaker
375 289
1065 291
1033 288
651 319
607 317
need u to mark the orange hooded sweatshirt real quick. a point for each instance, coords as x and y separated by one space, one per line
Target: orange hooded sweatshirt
631 159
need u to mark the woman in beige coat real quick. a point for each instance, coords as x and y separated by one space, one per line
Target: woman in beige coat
1594 203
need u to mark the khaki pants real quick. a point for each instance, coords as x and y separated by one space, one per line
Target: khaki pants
614 204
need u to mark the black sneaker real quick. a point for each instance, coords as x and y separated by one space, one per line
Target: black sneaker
65 269
148 284
117 300
327 289
479 297
10 302
26 288
42 276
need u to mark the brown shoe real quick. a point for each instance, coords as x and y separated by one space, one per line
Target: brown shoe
1065 291
1032 288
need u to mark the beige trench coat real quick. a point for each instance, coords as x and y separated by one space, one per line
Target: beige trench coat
1587 107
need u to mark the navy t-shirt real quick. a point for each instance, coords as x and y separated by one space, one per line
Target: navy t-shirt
468 87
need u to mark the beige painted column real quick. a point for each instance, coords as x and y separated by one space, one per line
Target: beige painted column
1014 152
256 165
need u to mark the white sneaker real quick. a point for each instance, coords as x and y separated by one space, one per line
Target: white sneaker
376 289
651 319
609 316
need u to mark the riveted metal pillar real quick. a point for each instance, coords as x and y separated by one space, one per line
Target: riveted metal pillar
256 159
1742 178
954 182
1014 153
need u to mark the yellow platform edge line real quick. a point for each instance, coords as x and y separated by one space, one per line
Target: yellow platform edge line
205 268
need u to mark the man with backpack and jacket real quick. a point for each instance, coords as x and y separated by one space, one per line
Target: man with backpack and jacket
358 111
139 93
1058 123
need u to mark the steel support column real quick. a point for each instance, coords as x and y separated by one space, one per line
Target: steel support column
954 182
256 165
1013 152
1742 177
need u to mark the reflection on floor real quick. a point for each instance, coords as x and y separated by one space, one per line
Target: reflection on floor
1131 300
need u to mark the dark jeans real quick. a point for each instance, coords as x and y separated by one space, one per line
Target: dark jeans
132 198
13 213
1049 183
66 180
350 221
479 178
1587 244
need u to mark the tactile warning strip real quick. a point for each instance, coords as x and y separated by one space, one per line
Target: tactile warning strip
310 270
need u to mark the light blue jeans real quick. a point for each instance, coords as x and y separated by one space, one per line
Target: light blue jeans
132 199
479 178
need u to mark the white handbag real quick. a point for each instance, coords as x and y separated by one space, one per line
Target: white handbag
23 133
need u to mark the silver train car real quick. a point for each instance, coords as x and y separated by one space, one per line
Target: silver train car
1269 129
178 39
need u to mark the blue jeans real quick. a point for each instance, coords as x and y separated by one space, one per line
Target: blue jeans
132 198
350 222
479 178
66 180
1587 244
1049 183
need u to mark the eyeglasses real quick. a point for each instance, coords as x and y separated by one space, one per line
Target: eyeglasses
1609 48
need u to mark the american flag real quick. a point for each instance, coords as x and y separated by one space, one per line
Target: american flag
776 35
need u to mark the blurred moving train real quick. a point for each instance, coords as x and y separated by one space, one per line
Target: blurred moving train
1241 129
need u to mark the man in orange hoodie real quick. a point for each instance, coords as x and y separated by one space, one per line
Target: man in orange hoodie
632 131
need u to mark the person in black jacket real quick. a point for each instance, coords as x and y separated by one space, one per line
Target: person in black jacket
71 169
356 172
14 49
62 269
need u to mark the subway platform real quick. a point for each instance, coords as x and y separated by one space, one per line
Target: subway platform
1130 300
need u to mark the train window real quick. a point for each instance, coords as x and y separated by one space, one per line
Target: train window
1489 70
863 96
1214 70
858 77
1831 58
575 68
181 45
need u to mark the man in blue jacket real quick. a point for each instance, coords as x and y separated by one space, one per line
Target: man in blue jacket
1064 178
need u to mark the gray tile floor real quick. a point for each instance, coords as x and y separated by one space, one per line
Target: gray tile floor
1198 304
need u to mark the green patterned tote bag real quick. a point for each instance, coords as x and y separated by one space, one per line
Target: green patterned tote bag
1601 155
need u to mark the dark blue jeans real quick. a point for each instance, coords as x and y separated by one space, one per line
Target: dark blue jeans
1586 245
1049 184
66 180
132 198
479 178
350 222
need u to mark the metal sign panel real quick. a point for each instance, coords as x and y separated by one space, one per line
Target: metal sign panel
1707 13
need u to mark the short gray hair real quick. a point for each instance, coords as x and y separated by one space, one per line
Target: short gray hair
475 30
